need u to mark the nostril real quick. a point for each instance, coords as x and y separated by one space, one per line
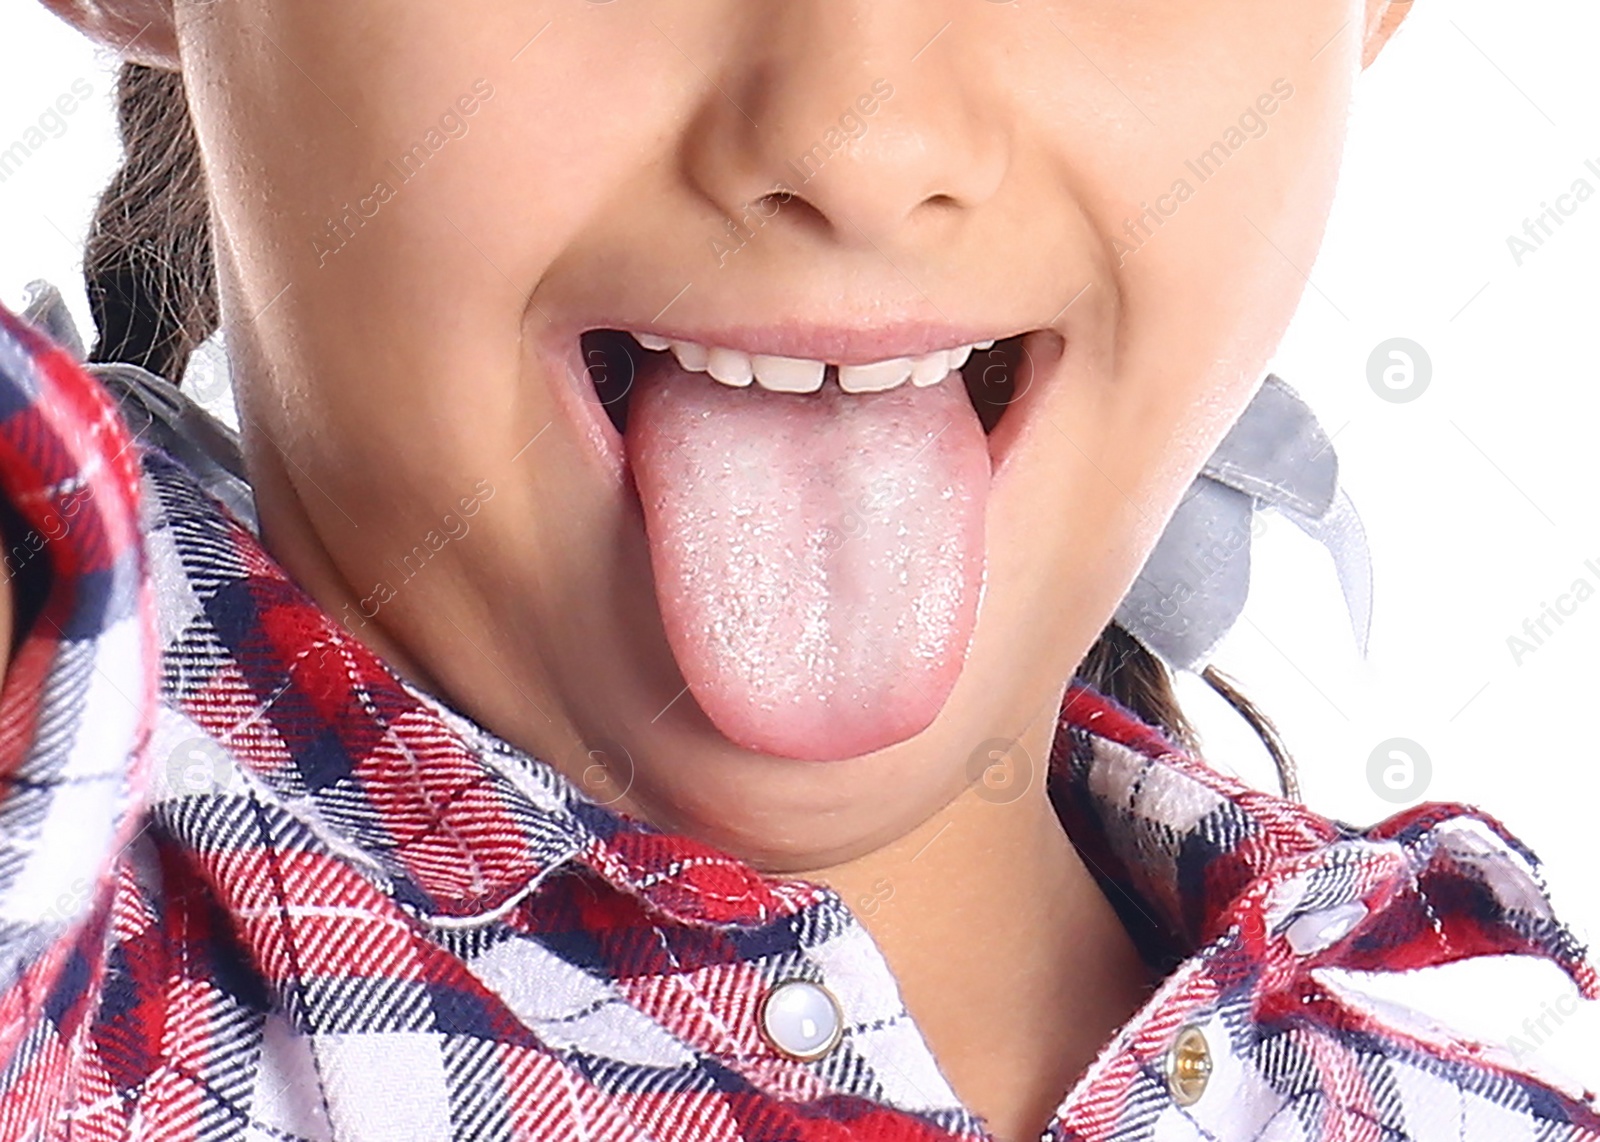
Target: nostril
783 200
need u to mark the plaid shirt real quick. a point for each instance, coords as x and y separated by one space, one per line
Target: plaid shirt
255 886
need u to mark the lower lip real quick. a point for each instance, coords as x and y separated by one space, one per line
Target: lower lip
561 355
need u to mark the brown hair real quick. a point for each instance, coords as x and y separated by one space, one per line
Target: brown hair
148 265
150 275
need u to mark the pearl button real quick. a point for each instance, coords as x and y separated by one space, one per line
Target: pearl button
801 1019
1188 1066
1325 927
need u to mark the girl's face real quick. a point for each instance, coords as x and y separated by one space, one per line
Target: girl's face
794 625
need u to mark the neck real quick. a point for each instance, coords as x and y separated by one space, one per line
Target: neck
1008 956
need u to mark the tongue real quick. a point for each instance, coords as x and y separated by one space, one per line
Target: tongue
817 557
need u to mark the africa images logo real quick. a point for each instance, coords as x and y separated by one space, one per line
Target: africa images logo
1542 227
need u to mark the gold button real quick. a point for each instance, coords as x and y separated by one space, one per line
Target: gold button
1188 1066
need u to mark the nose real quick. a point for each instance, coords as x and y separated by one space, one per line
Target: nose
863 112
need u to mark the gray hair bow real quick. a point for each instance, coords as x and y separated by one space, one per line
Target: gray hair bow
157 412
1194 583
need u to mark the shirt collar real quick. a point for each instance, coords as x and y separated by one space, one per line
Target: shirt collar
459 825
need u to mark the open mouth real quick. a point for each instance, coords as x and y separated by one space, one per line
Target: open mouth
816 528
991 371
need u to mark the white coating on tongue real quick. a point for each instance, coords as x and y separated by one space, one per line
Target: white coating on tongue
818 558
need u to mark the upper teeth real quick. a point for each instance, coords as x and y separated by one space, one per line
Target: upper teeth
803 375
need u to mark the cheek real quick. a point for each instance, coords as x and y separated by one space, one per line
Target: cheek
367 217
1203 231
1212 221
366 220
338 157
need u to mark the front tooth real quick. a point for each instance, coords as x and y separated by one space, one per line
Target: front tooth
876 377
730 366
691 356
788 374
651 342
930 368
989 344
958 357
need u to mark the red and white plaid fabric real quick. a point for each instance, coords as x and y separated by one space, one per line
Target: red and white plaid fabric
253 886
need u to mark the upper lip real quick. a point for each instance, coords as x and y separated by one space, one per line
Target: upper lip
835 344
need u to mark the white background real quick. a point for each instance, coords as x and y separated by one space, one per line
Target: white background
1479 496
